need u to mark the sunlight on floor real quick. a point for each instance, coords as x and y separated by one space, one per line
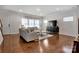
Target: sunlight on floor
67 49
45 42
40 48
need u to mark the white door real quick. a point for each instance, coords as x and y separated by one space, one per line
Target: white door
11 24
6 25
14 24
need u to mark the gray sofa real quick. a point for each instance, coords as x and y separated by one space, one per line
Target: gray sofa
28 34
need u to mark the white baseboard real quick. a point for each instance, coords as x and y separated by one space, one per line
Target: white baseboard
10 33
67 34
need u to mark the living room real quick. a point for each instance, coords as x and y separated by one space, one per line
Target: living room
19 20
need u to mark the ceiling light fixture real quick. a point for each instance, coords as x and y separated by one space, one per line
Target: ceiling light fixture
20 10
57 9
38 9
45 21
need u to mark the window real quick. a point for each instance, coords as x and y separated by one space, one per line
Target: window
31 22
37 23
25 22
67 19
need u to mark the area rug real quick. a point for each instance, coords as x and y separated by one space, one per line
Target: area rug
45 36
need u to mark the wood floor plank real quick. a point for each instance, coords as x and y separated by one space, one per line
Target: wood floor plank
54 44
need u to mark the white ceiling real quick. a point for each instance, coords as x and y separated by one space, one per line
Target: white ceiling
40 10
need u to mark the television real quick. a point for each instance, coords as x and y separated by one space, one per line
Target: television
52 26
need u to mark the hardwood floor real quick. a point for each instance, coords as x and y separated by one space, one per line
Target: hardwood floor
54 44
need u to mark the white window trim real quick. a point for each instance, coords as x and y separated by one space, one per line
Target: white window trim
68 19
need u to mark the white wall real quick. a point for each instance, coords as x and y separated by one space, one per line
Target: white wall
14 19
66 28
70 28
15 23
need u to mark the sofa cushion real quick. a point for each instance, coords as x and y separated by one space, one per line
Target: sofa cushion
31 29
